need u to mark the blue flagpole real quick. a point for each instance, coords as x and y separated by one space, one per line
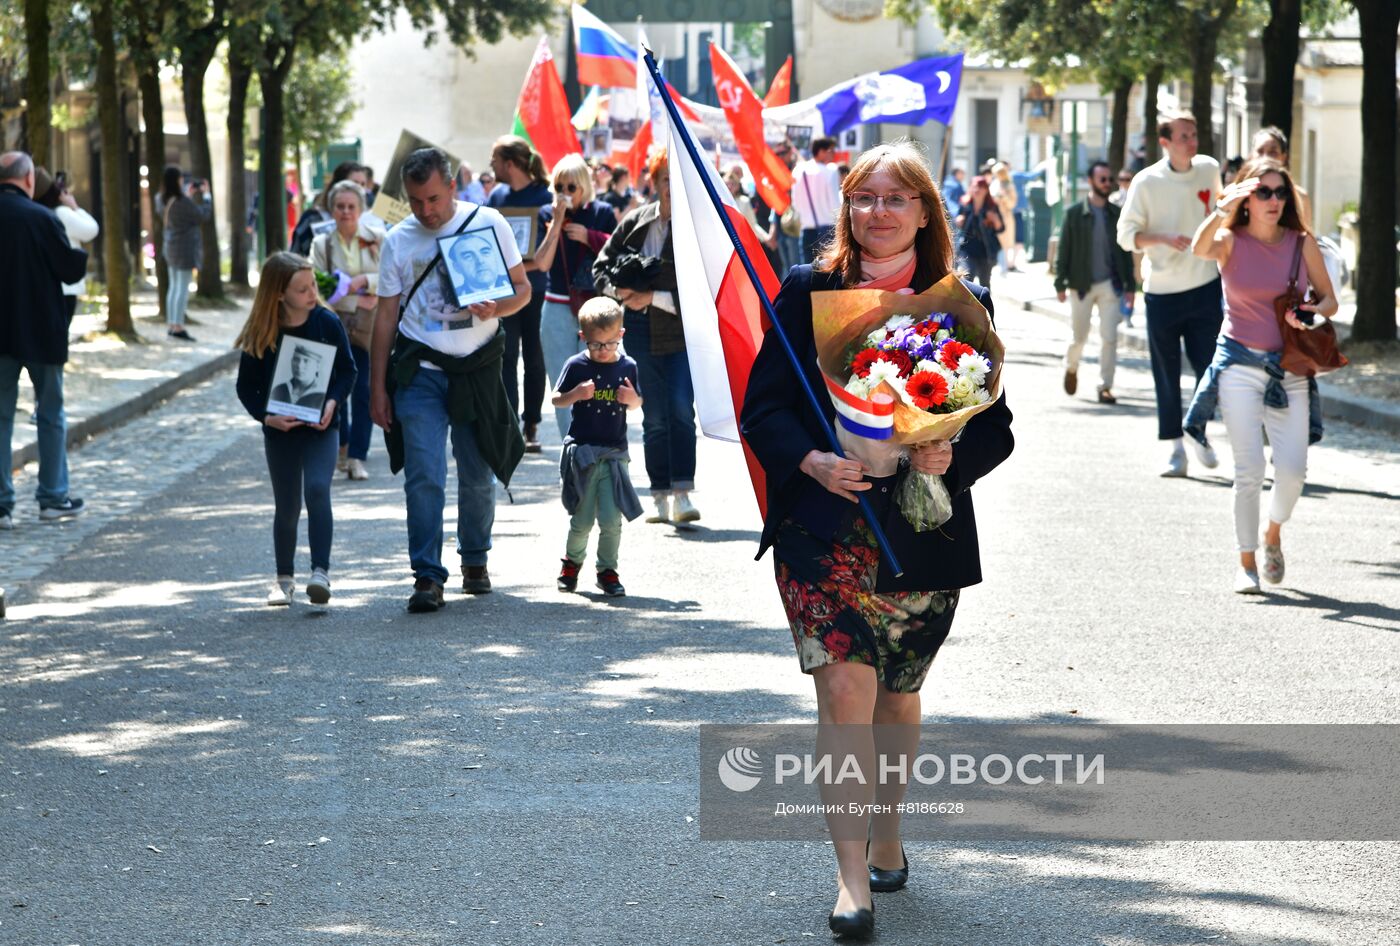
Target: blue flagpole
797 367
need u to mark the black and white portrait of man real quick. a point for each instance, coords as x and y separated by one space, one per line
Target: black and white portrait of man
476 267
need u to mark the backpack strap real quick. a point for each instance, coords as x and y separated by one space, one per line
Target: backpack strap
432 265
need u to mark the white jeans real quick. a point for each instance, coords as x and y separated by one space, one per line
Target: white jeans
1081 313
1246 418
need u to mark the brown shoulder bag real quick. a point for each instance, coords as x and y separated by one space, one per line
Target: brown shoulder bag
1306 351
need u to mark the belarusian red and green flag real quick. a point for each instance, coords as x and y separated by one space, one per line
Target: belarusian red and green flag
542 115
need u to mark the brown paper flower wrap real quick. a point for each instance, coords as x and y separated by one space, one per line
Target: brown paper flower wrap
846 317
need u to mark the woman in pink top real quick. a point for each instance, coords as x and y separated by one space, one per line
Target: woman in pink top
1253 235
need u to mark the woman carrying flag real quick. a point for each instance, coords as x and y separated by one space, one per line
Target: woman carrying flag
866 636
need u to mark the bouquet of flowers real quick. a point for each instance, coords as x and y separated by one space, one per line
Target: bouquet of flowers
332 286
903 370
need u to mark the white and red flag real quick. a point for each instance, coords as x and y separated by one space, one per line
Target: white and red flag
722 313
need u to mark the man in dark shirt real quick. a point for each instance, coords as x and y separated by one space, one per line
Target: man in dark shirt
1092 270
619 196
35 261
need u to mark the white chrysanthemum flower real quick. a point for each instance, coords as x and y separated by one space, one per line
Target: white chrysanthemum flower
882 371
896 322
858 386
974 366
925 364
979 396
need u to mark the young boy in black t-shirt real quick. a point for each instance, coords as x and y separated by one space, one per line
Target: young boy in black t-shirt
600 384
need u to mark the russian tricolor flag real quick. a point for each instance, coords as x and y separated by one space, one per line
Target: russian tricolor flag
872 419
604 58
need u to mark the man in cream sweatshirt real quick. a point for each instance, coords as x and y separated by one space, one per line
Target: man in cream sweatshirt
1165 204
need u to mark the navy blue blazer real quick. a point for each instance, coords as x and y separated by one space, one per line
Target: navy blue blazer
781 429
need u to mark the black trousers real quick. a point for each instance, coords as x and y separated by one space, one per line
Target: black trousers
523 340
1191 318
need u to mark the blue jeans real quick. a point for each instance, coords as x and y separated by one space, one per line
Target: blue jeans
355 423
301 462
1192 318
53 431
421 407
668 409
560 341
790 250
177 297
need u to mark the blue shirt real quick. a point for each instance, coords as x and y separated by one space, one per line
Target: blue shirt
601 421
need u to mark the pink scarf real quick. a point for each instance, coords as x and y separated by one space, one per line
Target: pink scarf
892 273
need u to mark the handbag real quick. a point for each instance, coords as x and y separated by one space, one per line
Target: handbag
581 285
1306 351
791 222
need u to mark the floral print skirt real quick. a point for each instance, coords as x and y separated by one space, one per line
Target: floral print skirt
828 591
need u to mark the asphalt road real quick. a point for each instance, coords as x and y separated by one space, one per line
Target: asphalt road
181 764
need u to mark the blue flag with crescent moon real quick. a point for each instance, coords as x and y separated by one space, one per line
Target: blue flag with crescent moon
924 90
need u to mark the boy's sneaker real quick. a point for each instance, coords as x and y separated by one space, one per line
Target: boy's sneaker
685 512
568 575
7 521
475 580
608 583
426 597
281 594
70 508
318 589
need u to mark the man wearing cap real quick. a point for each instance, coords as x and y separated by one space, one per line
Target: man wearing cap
35 261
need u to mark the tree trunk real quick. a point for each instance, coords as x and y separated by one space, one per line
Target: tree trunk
1150 84
38 115
113 187
240 73
1203 48
154 116
1118 137
270 154
1375 263
1280 42
194 66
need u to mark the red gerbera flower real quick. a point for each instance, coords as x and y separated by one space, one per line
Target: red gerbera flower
926 328
952 351
927 389
861 364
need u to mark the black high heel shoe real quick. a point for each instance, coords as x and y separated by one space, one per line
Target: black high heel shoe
856 925
885 881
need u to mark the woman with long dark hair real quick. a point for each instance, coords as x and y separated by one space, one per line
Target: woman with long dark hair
183 210
1260 241
867 637
521 169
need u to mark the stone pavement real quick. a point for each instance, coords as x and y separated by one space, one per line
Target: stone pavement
1364 394
108 381
180 763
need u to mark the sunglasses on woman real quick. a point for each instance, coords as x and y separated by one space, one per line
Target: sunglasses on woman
1269 193
571 188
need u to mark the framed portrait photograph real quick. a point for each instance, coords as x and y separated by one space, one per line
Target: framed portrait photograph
300 379
525 224
476 267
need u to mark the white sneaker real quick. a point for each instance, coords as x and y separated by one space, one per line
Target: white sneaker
1176 466
281 594
1273 563
663 508
318 588
7 521
356 470
342 463
685 512
1205 453
1247 582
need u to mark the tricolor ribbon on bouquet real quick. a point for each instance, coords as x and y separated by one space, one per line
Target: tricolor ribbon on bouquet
872 419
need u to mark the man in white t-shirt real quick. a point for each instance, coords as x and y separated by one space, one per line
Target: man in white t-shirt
816 193
445 377
1166 202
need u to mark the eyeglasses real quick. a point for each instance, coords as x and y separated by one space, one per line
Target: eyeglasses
1269 193
894 203
605 346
